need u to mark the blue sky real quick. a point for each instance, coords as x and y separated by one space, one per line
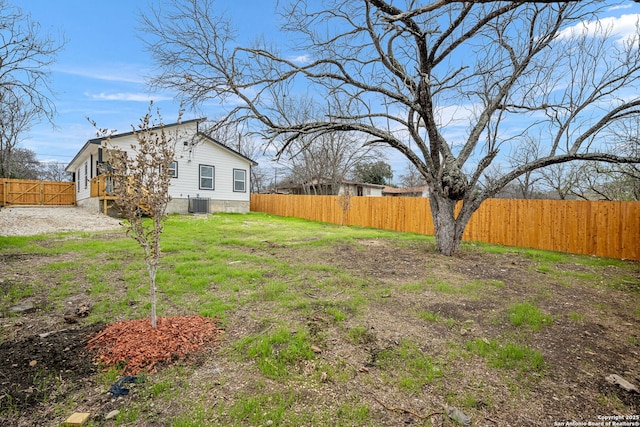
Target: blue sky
101 72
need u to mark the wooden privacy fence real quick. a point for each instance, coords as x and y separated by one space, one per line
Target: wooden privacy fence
607 229
21 192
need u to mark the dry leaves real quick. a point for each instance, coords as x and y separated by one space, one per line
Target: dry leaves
138 346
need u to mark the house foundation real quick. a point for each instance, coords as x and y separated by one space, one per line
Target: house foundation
175 206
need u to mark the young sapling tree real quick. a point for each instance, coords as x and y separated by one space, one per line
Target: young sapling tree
141 179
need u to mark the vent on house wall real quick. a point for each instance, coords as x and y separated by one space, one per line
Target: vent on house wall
199 205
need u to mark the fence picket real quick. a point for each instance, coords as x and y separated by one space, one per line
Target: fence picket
21 192
601 228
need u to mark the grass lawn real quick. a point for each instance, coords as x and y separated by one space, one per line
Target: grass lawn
328 325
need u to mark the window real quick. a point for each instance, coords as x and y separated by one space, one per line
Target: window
206 177
173 169
239 180
86 174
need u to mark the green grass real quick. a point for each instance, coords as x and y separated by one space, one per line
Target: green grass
161 388
546 257
262 277
128 416
360 335
278 354
17 244
528 314
336 313
429 316
277 409
575 316
12 292
259 409
408 367
196 417
508 355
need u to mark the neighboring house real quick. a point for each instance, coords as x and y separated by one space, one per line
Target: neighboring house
422 191
361 188
206 174
324 187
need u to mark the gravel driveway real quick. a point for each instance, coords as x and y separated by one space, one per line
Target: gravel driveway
28 221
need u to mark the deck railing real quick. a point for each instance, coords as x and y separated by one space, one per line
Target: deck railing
102 186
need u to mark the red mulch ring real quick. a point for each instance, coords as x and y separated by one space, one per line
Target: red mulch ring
137 346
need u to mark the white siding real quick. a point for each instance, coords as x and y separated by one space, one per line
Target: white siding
207 153
85 168
367 190
376 192
188 158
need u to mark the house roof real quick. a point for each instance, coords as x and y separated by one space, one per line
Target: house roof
327 182
364 184
393 190
237 153
98 141
123 134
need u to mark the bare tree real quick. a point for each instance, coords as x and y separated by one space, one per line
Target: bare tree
411 177
489 177
25 96
235 137
54 171
402 74
24 164
25 56
605 181
613 181
16 119
141 187
561 180
524 152
320 162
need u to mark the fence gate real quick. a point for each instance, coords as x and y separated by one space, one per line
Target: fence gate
21 192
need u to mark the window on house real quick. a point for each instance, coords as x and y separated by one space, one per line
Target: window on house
239 180
86 175
173 169
78 176
206 177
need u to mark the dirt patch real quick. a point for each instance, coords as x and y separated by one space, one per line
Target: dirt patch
594 331
44 366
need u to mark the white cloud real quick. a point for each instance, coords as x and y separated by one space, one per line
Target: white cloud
125 74
300 59
622 27
135 97
620 6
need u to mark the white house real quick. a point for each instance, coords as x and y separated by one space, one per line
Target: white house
422 191
360 188
207 176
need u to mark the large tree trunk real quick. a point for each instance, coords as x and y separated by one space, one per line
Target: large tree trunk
448 227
